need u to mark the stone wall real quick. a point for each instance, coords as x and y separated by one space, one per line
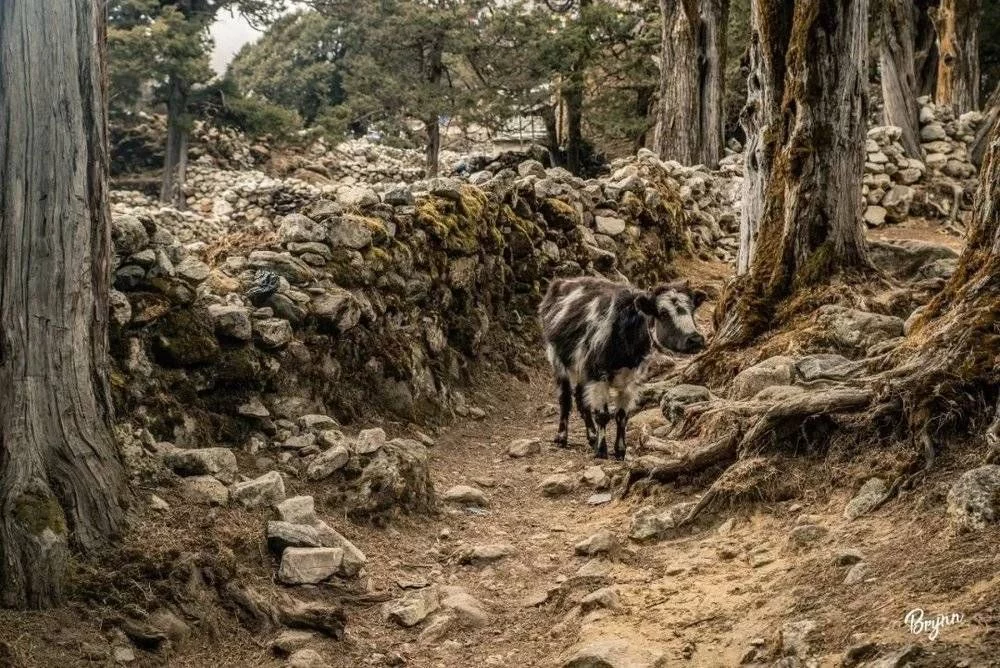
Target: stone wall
940 185
382 302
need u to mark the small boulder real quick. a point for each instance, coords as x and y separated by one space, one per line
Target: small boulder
595 477
217 462
557 485
272 332
316 422
281 535
524 447
309 565
479 554
465 495
806 534
327 462
602 542
354 559
413 607
974 499
306 658
870 495
614 653
267 490
466 608
369 440
298 510
605 597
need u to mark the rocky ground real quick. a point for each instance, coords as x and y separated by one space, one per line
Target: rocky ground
337 420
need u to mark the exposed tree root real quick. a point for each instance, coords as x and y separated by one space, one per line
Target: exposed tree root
738 429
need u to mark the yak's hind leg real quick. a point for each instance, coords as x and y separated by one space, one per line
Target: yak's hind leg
565 406
587 415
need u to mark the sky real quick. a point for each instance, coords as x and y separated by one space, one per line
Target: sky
231 32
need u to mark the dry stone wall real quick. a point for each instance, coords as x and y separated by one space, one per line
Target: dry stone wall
367 301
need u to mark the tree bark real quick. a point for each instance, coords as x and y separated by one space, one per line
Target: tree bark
435 73
977 149
925 49
957 25
175 159
433 147
61 476
897 23
692 79
714 21
806 122
951 353
573 103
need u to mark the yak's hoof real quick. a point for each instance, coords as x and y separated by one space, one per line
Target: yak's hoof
561 440
620 455
601 454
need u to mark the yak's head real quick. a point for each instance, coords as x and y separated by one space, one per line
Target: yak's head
669 309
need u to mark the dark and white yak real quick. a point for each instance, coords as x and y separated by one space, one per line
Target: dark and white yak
599 337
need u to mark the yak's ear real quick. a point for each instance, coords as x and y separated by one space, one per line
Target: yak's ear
698 297
646 304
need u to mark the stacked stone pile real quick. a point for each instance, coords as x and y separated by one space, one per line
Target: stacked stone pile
221 203
940 185
368 302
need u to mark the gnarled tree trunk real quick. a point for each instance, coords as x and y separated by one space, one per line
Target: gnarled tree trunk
175 159
61 476
435 73
951 354
957 25
977 149
692 79
897 23
925 49
806 123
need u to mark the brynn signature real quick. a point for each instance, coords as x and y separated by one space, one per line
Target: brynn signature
919 623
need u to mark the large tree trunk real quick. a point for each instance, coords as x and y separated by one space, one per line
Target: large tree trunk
692 79
433 146
977 149
714 21
925 49
61 476
806 122
573 104
175 160
897 23
950 356
434 73
957 25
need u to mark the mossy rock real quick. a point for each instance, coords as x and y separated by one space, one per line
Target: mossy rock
182 338
559 214
463 226
630 206
238 365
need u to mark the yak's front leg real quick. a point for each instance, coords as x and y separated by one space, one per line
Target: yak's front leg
621 423
588 417
565 406
626 401
597 396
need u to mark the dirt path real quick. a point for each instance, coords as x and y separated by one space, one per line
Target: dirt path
712 598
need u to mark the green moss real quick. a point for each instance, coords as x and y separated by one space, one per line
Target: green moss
37 513
185 339
559 214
